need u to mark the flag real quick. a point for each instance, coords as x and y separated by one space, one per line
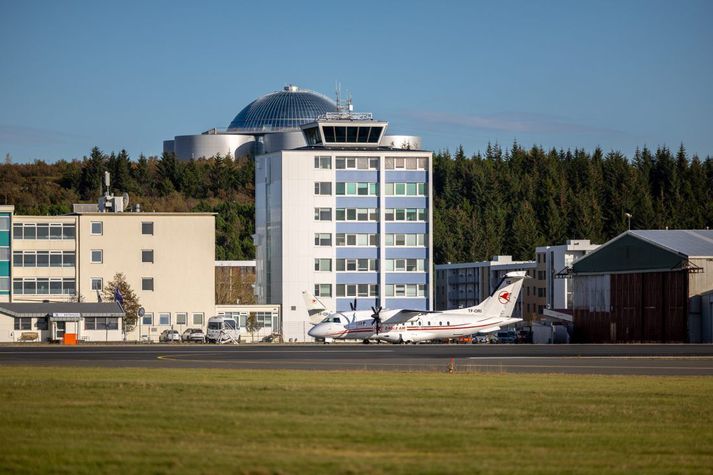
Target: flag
118 297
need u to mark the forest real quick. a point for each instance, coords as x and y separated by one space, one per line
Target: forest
500 202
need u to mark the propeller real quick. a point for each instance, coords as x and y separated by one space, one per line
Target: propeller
377 319
353 305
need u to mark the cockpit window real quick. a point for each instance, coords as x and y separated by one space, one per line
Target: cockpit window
331 320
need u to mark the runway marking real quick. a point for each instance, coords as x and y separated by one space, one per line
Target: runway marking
570 357
437 366
432 365
182 351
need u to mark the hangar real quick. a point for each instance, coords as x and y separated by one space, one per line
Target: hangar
645 286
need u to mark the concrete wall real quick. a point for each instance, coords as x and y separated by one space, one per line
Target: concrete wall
209 145
182 270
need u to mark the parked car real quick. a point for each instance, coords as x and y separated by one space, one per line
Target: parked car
481 338
272 338
507 336
169 336
524 336
194 335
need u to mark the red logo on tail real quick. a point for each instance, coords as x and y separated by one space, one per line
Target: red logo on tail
504 297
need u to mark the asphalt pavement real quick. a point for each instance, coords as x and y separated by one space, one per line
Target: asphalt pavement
643 359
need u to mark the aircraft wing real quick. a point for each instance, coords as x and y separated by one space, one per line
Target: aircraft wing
402 315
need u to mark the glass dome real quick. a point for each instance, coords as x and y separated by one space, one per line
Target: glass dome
289 108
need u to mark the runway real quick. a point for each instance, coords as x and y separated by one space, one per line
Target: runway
576 359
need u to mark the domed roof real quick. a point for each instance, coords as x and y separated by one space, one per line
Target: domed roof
291 107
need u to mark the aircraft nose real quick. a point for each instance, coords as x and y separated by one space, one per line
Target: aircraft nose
317 331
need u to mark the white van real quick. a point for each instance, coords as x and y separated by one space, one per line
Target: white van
223 330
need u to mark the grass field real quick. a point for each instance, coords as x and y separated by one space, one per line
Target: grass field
80 420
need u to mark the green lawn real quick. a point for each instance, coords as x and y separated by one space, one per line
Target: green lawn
82 420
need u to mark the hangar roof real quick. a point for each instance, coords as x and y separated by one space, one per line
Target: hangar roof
690 243
647 251
42 309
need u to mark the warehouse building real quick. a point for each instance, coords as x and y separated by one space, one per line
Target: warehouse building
645 286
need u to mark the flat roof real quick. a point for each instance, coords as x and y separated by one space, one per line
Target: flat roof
468 265
42 309
126 213
235 263
379 148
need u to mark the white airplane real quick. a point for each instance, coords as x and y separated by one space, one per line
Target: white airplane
413 326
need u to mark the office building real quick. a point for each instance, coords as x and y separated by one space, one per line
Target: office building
550 292
167 259
466 284
343 211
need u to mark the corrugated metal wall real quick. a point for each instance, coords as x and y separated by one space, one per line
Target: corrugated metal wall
645 307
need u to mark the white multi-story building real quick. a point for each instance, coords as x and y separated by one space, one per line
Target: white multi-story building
469 283
343 211
552 287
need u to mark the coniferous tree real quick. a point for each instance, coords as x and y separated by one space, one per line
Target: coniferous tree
525 233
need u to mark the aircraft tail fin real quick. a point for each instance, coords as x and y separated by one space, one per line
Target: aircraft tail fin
502 301
313 304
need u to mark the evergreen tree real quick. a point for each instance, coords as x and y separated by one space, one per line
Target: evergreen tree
525 233
92 175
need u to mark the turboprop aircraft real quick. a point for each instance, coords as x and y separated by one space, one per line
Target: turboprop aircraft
413 326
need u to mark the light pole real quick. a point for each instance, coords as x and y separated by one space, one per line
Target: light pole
628 216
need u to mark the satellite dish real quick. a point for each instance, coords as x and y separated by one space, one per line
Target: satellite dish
126 200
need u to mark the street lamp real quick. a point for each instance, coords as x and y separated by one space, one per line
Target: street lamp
628 216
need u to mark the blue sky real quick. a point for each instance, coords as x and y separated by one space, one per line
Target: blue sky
617 74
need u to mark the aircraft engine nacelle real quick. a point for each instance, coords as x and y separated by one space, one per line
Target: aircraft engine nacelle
390 337
405 337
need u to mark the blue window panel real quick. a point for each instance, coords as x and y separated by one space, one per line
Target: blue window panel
406 176
357 176
357 202
406 228
357 227
4 238
5 268
357 253
363 303
406 253
407 303
357 278
406 278
405 202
